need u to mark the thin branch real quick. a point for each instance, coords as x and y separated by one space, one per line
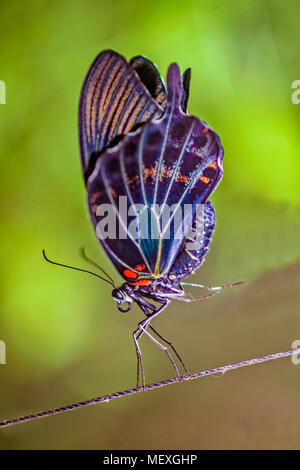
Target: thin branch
124 393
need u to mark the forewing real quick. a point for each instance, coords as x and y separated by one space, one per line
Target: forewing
113 100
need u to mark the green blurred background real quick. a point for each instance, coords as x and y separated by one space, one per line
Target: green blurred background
66 341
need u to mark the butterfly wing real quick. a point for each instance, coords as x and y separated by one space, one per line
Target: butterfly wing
168 162
196 245
113 100
189 168
116 96
151 78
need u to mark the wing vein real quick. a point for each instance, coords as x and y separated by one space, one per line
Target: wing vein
121 220
163 150
193 178
177 166
124 174
140 164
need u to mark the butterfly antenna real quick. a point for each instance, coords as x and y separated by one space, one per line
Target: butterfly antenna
89 260
77 269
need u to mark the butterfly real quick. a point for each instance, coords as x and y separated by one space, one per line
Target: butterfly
140 149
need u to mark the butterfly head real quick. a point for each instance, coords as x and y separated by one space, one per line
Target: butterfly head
123 300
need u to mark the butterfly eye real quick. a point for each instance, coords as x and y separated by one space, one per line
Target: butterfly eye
118 295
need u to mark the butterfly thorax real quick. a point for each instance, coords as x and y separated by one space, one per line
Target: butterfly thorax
159 290
163 286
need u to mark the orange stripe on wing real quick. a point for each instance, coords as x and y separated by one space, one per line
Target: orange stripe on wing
132 104
90 94
127 89
205 179
114 87
136 111
97 91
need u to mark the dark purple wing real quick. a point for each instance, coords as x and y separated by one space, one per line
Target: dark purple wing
153 81
196 245
167 163
113 100
151 78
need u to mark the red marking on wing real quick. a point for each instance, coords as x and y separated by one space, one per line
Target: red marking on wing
142 282
130 274
140 267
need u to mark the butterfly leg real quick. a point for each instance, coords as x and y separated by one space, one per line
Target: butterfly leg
139 359
142 328
193 299
147 308
216 288
136 337
171 346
